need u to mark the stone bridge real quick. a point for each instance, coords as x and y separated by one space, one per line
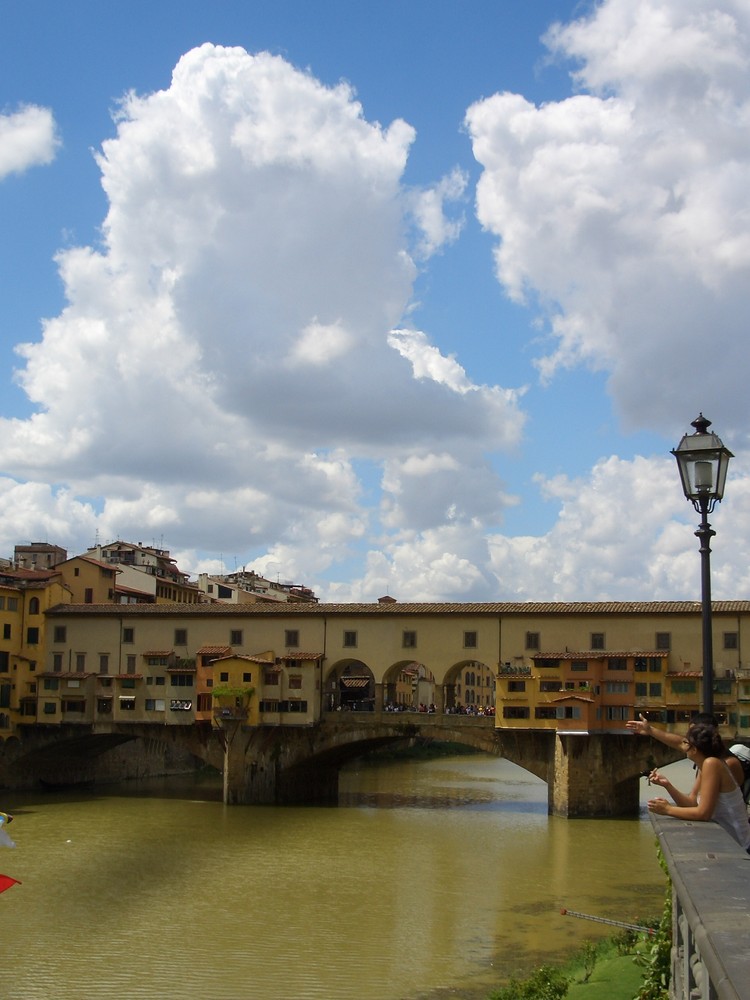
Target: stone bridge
593 775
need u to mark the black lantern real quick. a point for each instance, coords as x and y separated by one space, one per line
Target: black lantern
703 462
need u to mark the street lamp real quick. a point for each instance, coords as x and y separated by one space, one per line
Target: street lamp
703 462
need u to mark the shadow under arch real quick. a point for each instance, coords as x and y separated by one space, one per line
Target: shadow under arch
409 686
469 686
349 686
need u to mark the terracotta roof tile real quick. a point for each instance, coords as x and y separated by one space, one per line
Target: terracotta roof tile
286 609
600 654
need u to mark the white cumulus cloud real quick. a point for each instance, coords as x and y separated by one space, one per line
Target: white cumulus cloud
28 138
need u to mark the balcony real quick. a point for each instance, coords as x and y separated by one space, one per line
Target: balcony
230 715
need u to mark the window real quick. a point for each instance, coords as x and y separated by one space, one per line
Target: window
545 712
12 604
32 636
57 662
247 678
663 640
516 685
684 686
224 677
4 661
616 687
641 689
654 690
597 640
295 682
515 712
2 604
59 633
181 680
730 640
128 682
568 712
640 664
127 704
80 662
350 639
271 678
155 705
549 685
579 665
129 664
50 708
51 684
723 687
548 663
128 635
6 631
617 713
74 705
409 640
470 640
532 640
291 638
88 595
235 637
655 664
34 606
180 637
104 706
617 663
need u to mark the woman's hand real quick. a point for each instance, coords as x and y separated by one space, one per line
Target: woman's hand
639 726
659 806
658 779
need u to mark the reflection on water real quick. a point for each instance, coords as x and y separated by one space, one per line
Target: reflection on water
432 878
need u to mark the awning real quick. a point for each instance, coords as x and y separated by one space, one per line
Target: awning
355 682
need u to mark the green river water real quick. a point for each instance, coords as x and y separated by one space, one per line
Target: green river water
429 880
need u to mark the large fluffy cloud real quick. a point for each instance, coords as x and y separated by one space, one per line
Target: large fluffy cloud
623 210
225 357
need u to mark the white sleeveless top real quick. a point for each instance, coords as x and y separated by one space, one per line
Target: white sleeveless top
731 814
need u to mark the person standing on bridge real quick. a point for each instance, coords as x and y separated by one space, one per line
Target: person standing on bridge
719 797
642 727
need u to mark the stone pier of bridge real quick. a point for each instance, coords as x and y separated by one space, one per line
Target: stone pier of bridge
587 775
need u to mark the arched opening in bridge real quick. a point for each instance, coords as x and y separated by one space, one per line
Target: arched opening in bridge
350 686
408 686
469 689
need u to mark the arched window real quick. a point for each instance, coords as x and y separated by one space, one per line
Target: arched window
34 606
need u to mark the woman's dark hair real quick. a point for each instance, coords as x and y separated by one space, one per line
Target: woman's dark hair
706 739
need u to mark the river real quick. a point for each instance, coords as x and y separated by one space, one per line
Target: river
429 880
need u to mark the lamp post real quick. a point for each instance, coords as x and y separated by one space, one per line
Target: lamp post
703 462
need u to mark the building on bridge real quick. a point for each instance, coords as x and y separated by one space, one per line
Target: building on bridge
573 667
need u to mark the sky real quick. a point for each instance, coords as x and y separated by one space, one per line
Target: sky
408 298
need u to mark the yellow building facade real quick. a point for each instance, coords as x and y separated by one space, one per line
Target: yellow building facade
578 667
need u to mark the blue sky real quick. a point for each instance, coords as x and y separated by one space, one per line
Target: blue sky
409 297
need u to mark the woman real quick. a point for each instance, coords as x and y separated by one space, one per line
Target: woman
716 796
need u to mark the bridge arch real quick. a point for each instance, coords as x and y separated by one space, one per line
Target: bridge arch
469 685
408 686
349 685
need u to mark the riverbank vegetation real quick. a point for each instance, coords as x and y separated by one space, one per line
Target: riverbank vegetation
629 966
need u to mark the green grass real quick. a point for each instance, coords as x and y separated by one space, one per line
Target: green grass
615 977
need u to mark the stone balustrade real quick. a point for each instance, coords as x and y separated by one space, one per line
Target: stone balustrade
711 910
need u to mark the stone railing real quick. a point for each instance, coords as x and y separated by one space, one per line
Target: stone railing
711 910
